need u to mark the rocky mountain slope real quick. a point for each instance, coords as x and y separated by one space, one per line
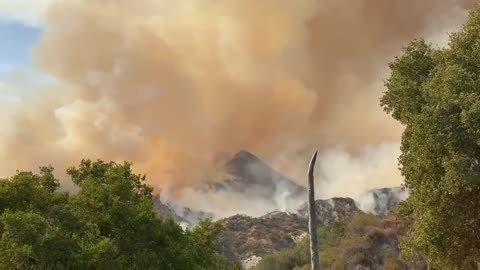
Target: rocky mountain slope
245 236
249 238
331 211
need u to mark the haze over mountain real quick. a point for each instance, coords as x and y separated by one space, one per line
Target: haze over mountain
248 185
248 174
244 185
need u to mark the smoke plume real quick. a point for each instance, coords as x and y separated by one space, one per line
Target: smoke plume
177 87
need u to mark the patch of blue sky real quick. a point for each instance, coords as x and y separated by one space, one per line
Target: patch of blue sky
16 43
17 40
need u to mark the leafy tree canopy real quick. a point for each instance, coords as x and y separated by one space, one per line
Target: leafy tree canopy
109 224
435 94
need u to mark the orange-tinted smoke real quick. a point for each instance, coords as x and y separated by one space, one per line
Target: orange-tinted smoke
178 86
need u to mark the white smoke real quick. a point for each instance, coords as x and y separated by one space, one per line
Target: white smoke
380 201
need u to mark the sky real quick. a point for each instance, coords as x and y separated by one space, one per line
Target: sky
17 42
20 30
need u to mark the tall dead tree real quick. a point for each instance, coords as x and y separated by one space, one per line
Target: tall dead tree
312 216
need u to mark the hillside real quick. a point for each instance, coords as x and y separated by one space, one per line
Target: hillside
361 242
248 239
245 237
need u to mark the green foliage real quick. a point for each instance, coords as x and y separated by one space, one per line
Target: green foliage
360 224
299 256
435 93
109 224
364 240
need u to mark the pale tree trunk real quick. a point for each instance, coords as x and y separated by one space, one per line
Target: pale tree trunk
312 216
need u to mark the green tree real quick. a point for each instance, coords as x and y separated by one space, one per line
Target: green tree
34 222
435 94
109 224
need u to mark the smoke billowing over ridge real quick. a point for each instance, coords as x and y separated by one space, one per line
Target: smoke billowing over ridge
177 87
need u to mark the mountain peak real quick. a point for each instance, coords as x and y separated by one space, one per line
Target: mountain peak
242 161
245 155
247 176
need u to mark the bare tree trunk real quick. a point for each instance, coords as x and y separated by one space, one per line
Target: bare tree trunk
312 216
